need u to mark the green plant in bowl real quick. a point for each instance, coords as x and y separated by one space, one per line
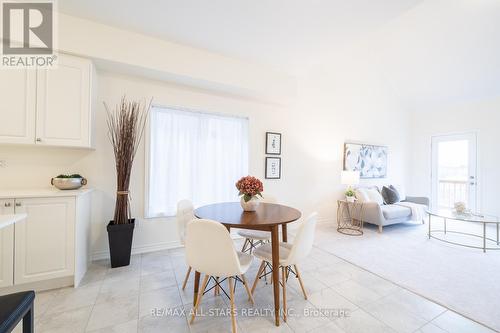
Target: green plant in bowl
75 175
349 193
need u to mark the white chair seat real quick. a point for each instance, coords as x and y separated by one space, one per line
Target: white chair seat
265 252
255 234
245 260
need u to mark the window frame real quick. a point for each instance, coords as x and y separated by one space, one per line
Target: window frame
147 148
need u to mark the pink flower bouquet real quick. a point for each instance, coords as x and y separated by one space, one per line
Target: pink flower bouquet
249 188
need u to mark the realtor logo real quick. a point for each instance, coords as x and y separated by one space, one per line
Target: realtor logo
27 34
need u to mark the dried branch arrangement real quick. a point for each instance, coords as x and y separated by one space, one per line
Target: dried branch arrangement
126 125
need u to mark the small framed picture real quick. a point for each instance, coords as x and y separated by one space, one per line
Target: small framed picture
273 143
273 167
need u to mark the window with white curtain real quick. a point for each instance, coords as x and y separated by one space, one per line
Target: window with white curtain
193 155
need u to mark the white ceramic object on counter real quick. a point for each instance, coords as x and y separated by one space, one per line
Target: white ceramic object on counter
68 183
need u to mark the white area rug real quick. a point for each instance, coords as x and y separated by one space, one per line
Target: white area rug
462 279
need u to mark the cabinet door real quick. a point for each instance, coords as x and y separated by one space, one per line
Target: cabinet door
17 106
7 246
63 103
44 242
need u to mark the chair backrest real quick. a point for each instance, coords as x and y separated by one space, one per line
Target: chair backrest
185 214
210 249
268 199
303 242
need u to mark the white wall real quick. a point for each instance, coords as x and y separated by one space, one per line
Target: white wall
313 137
331 108
32 167
481 117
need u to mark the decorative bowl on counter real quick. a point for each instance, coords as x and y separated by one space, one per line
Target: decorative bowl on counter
68 182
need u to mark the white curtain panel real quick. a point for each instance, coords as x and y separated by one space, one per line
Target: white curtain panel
195 156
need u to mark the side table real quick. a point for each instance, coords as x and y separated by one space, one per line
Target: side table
350 218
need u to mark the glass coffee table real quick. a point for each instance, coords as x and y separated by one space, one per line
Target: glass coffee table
484 220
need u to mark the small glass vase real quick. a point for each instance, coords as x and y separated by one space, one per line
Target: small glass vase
251 205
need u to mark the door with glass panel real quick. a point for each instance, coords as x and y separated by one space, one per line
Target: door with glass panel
454 170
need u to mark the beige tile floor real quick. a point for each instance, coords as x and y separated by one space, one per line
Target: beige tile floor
123 300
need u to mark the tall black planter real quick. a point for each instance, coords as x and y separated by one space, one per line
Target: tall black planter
120 242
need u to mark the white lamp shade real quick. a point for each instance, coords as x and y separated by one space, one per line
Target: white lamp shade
350 177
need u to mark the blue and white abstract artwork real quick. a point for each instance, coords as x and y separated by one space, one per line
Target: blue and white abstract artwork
369 160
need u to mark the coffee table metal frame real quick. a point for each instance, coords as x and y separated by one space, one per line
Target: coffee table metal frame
447 215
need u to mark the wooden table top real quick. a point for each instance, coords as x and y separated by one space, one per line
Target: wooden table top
231 214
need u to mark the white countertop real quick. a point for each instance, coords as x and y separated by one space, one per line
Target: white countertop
8 219
41 193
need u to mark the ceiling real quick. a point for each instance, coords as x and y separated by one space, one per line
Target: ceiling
420 52
288 35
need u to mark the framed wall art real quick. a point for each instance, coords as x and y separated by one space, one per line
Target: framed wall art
273 167
369 160
273 143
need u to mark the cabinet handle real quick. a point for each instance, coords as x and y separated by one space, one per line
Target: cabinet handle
38 140
7 204
18 204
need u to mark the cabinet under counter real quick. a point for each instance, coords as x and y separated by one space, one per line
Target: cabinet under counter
50 247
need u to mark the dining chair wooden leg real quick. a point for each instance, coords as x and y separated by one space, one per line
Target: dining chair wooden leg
198 299
231 298
245 283
283 281
300 281
259 272
186 278
196 285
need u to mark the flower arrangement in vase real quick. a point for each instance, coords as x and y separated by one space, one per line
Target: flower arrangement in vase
250 189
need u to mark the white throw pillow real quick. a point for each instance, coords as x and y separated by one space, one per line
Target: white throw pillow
375 196
361 195
401 192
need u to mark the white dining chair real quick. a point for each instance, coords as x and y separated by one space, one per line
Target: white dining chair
217 258
254 238
185 214
290 255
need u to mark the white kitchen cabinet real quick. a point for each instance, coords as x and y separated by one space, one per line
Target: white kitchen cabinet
44 243
50 106
17 106
48 249
63 116
7 246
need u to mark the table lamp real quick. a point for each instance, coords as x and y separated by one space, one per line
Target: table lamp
349 178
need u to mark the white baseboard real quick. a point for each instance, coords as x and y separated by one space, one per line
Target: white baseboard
100 255
140 249
50 284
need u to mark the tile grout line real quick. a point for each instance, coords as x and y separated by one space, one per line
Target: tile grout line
405 288
359 307
93 305
435 317
179 290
